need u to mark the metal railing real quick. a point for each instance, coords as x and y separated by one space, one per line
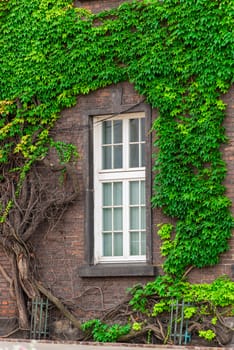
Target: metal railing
39 319
178 324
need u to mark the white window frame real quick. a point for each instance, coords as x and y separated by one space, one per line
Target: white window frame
125 175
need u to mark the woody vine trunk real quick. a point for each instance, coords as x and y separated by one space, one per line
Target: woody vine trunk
46 191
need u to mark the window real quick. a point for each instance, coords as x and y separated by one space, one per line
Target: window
119 188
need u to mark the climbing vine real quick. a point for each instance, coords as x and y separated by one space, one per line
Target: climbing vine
178 54
148 314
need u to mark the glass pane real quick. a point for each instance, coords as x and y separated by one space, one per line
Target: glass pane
117 131
143 223
107 194
143 243
106 157
107 219
142 192
134 156
142 129
107 244
118 162
134 130
134 243
134 218
143 154
106 132
118 219
117 193
134 192
118 244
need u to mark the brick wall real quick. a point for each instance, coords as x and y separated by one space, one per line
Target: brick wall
60 248
7 302
99 5
227 259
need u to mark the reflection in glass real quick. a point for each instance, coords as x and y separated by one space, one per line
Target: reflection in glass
134 130
134 155
118 219
107 194
143 223
118 244
107 219
106 157
134 218
143 160
134 192
106 132
107 244
142 192
142 121
117 131
118 158
143 243
134 243
117 193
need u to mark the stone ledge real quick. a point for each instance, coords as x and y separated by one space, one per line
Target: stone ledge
117 270
47 344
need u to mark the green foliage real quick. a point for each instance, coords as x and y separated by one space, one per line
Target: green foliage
159 307
214 320
189 311
136 326
164 233
178 54
104 333
204 304
6 211
208 334
219 293
66 151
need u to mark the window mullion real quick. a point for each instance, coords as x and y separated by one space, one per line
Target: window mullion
112 218
126 185
139 220
126 218
125 144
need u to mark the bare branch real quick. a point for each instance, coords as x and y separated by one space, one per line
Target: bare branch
187 271
14 331
59 305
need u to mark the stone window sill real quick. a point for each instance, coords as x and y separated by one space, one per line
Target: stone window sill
117 270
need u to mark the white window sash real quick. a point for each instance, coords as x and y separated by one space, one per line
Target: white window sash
125 175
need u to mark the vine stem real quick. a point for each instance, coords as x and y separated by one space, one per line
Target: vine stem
187 272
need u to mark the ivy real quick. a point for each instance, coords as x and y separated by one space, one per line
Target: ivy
204 298
105 333
208 334
178 54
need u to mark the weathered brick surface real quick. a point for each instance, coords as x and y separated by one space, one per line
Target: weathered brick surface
7 302
97 6
227 259
60 248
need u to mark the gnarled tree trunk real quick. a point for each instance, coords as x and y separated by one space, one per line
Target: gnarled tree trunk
43 195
